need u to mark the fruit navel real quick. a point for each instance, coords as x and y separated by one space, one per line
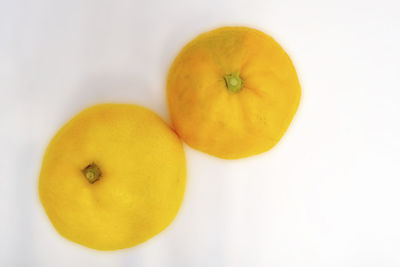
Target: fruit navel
92 173
233 82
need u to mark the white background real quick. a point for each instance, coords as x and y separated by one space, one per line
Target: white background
327 195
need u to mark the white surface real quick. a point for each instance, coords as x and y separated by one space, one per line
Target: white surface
327 195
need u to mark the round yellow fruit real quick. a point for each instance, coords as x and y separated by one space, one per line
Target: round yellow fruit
113 177
232 92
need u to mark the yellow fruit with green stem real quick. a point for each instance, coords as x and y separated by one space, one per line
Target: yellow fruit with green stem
113 177
232 92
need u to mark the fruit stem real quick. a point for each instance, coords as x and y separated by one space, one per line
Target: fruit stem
92 173
233 82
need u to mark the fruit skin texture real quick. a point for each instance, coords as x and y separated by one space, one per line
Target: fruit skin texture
142 182
222 122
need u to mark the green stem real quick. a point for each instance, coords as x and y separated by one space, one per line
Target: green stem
234 82
92 173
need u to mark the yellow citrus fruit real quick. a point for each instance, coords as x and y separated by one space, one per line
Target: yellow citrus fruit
232 92
113 177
